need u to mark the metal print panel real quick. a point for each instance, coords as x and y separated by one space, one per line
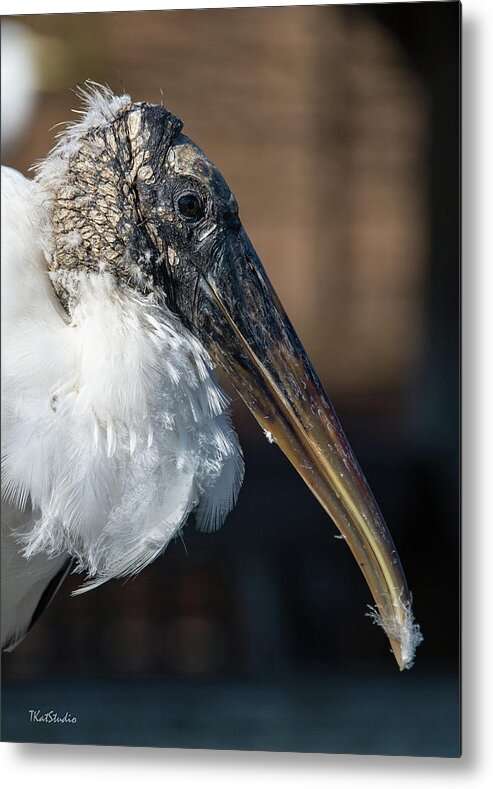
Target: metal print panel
178 454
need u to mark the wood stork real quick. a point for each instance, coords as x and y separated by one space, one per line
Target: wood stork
126 276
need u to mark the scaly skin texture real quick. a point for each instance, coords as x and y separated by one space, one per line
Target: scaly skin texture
95 213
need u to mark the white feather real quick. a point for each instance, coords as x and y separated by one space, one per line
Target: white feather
24 287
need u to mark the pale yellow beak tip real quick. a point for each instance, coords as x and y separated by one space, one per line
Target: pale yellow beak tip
402 631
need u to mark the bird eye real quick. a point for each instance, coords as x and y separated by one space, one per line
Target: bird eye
191 207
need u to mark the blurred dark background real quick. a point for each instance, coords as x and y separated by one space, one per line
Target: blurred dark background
337 128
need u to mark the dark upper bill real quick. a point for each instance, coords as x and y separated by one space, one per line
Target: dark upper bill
247 331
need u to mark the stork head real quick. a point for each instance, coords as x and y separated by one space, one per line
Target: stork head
134 196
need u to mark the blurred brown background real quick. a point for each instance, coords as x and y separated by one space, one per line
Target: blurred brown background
337 129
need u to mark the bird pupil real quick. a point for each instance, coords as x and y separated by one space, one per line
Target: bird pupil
189 206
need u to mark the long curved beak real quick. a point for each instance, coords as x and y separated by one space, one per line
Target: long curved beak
250 336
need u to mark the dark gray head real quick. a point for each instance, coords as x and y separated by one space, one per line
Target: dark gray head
132 196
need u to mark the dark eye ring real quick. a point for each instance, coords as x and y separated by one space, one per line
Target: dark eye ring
191 206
